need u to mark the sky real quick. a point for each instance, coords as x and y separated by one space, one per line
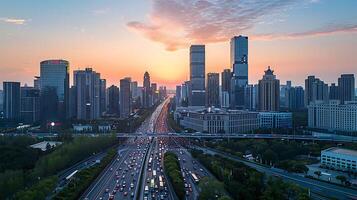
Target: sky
120 38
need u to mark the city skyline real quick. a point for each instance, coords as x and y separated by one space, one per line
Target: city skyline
96 35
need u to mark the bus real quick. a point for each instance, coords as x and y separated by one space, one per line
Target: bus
152 183
195 178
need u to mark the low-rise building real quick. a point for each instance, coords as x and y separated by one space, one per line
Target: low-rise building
268 120
82 128
339 159
333 116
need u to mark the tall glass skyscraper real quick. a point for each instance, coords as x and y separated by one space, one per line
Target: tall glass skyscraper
11 102
54 90
197 75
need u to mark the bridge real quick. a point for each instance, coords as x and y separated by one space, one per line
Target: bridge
336 138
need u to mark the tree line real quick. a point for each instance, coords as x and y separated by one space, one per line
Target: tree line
173 171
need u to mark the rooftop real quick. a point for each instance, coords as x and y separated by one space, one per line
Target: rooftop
342 151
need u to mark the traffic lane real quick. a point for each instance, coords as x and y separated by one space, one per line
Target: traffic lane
331 190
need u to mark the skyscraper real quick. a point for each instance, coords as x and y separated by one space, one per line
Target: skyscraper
226 87
269 92
1 100
178 95
54 89
146 91
37 82
125 97
212 90
295 98
113 100
11 104
239 64
197 75
134 89
29 104
251 97
155 94
87 83
346 85
334 92
103 96
315 89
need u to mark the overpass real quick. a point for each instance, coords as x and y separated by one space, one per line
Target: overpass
335 138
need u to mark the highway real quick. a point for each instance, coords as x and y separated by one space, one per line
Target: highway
120 179
318 189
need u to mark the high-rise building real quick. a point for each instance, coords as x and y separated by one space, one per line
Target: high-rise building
37 82
239 64
197 75
103 96
155 94
178 95
1 100
54 90
346 86
315 90
226 87
269 92
29 104
295 98
125 97
334 92
162 93
134 90
212 90
185 90
72 102
113 100
284 89
251 97
146 91
87 83
11 104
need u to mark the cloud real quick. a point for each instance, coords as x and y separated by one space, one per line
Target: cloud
15 21
328 30
101 11
177 23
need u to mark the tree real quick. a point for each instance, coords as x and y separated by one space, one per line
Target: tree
342 178
210 189
317 173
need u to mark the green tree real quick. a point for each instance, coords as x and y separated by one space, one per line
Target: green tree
211 189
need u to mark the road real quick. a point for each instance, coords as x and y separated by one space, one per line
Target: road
318 189
120 179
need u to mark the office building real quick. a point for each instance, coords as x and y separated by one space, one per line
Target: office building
185 90
269 92
226 76
103 96
334 92
54 90
135 93
197 76
274 120
339 159
162 93
11 100
284 94
113 100
125 97
178 95
333 116
212 90
251 97
87 83
239 64
29 104
72 102
346 86
37 82
154 94
295 98
1 100
146 91
217 121
315 90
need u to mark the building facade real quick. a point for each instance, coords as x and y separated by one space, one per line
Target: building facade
315 90
54 90
197 75
346 87
88 86
274 120
11 100
339 159
269 92
333 116
146 101
125 97
212 90
29 104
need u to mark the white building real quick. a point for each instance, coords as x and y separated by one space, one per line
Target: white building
275 120
341 159
333 115
213 120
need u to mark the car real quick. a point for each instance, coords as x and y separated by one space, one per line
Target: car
125 193
132 194
107 190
